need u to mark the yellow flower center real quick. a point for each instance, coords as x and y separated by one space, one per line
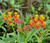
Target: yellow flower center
9 13
3 15
31 22
18 16
41 16
38 23
36 15
44 23
36 19
9 19
15 13
40 32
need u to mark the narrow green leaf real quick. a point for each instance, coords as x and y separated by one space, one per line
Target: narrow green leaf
3 28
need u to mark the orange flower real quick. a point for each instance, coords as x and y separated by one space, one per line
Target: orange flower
44 23
9 19
4 15
24 33
42 17
31 22
9 13
19 29
17 16
36 15
35 19
40 32
15 13
37 25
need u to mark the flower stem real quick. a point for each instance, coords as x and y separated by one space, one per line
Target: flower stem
30 35
15 35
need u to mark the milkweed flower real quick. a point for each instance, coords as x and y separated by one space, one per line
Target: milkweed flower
24 33
15 21
15 13
19 21
9 13
43 25
37 25
19 29
31 16
4 17
24 27
31 22
40 32
9 19
16 17
35 19
27 27
36 15
42 18
22 21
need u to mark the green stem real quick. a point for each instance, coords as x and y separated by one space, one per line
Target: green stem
15 34
30 35
39 42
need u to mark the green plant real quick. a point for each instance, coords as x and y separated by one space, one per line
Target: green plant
26 28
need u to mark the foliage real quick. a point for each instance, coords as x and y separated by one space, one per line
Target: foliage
30 28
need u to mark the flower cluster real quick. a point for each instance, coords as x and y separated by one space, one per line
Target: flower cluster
38 22
27 27
34 22
10 17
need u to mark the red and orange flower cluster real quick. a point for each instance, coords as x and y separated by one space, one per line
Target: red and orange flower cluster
36 22
10 17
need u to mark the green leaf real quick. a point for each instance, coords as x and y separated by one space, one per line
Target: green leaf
29 36
4 35
21 16
47 23
0 12
31 33
40 8
33 9
3 41
3 28
12 2
0 0
17 6
17 10
4 3
20 1
11 34
27 17
46 1
47 38
48 6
